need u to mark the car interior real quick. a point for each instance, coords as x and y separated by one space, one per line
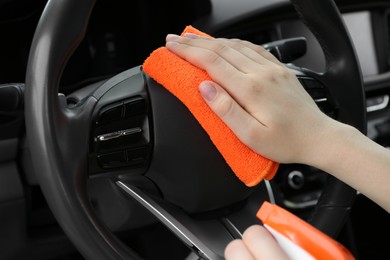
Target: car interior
99 161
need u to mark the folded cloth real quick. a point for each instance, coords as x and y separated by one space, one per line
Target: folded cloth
182 79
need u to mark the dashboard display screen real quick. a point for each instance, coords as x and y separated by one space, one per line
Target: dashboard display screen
360 29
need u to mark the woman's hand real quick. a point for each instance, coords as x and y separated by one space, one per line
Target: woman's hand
260 99
265 105
256 243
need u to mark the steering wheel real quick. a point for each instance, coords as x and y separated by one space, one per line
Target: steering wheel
130 132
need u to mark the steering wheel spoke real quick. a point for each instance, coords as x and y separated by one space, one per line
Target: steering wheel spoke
205 236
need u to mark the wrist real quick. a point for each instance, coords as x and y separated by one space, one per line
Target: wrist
331 144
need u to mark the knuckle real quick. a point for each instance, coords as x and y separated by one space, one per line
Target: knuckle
281 71
224 107
275 73
237 44
261 50
221 48
184 40
212 58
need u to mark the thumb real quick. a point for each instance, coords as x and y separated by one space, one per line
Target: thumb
243 124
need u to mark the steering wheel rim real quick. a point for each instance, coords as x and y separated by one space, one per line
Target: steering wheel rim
55 132
342 66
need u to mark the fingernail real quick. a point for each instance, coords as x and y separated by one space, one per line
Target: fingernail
172 37
207 90
191 35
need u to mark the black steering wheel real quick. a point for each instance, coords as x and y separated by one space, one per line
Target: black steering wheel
132 134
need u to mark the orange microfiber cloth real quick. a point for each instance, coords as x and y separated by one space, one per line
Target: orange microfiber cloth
182 79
